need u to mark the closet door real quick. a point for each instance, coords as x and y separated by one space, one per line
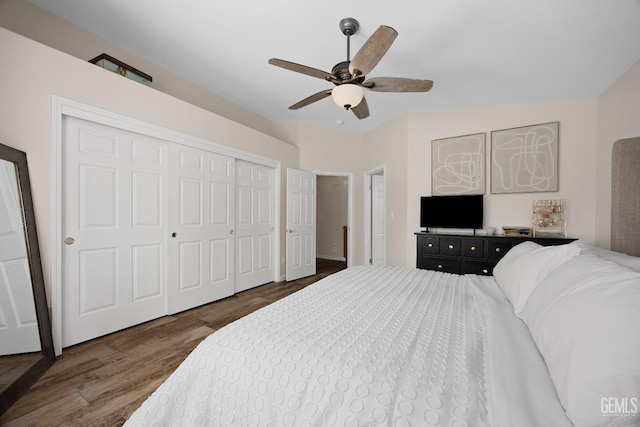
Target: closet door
114 204
255 188
201 217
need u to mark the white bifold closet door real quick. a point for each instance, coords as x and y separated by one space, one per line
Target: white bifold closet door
115 230
148 227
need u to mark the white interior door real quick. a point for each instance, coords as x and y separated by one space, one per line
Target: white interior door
201 218
377 219
18 321
255 225
114 224
301 224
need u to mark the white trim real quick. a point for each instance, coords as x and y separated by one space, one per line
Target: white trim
66 107
69 107
350 195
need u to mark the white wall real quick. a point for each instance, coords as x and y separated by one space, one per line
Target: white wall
618 118
33 73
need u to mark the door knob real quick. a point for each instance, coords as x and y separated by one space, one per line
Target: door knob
174 234
69 241
291 231
231 231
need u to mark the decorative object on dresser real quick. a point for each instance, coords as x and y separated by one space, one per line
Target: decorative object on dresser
461 254
112 64
549 218
525 159
511 231
457 165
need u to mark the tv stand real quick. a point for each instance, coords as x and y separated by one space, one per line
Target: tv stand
469 254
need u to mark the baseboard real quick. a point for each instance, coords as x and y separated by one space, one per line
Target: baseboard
331 257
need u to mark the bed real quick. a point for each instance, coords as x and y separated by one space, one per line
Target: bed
552 339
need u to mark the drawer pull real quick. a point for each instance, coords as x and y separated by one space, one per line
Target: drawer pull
498 250
473 248
485 271
450 246
439 266
430 245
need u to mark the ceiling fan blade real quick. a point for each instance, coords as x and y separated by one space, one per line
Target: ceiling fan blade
397 84
311 99
361 110
303 69
372 50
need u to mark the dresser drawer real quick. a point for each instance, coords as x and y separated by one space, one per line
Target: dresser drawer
484 268
450 246
497 248
473 248
448 265
429 245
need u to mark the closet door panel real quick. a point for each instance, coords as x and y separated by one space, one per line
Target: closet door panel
255 188
201 218
114 206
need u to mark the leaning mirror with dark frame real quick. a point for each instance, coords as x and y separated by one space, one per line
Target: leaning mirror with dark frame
26 344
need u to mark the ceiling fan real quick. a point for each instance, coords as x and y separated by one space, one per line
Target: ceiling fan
349 76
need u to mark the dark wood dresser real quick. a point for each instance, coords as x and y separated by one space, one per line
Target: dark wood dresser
462 254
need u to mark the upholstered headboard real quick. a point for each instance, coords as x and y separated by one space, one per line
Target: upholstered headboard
625 196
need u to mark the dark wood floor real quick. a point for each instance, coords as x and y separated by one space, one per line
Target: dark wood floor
101 382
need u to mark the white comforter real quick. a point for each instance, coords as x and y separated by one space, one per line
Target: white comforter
366 346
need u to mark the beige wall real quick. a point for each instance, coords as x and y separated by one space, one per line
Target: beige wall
24 18
577 160
33 73
618 118
331 150
387 147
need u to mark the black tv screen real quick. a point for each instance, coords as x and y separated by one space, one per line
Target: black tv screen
451 211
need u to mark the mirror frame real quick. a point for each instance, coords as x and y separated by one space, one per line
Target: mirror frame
20 386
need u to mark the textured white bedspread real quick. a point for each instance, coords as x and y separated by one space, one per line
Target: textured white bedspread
366 346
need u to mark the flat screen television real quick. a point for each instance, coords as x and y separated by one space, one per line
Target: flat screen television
451 211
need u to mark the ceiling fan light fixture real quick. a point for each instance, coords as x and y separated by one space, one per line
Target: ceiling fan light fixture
347 95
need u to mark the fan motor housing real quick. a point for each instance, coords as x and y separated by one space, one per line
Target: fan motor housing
341 72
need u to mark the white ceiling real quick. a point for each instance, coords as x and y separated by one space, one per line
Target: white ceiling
476 52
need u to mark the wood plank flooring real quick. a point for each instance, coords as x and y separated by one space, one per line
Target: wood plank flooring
101 382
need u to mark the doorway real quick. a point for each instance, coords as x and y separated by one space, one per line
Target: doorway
333 217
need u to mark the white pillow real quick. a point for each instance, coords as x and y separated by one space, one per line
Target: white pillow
617 257
585 320
525 265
